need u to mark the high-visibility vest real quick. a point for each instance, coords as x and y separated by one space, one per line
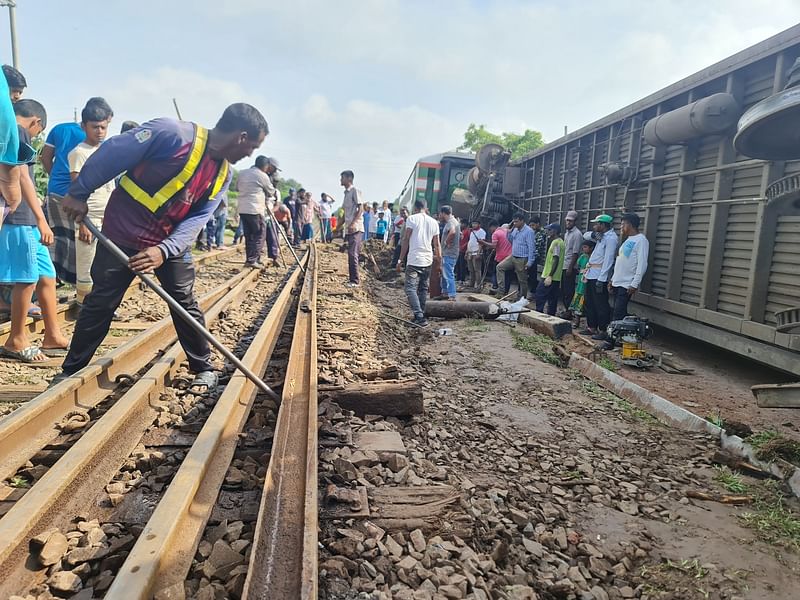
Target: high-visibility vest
158 200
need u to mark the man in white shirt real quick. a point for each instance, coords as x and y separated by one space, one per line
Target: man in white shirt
255 190
474 254
630 266
419 248
95 119
325 213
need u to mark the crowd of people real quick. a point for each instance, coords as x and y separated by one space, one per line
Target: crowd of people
262 219
152 189
590 274
157 188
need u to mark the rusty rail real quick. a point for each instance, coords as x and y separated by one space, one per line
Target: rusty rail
283 562
32 426
78 477
164 551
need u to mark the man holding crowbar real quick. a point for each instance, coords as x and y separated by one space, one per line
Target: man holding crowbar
175 175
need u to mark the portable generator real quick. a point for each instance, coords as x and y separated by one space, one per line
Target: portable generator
630 333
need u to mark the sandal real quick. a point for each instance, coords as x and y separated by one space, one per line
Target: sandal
55 352
34 312
205 379
31 354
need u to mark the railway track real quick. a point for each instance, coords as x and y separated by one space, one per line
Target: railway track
68 308
130 460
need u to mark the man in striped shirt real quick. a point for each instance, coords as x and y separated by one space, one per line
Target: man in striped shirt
523 255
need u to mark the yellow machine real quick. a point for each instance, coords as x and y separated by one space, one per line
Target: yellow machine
630 333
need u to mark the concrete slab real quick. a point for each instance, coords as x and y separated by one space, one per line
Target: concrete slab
780 395
380 441
553 327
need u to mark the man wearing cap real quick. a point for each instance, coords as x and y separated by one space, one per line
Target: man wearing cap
573 238
256 192
175 175
598 272
548 287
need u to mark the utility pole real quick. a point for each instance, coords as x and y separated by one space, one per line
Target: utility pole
12 21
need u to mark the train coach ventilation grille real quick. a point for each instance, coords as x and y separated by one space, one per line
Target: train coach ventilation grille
784 187
788 320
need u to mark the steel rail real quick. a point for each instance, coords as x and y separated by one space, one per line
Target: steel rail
77 479
283 560
68 311
178 309
32 426
162 556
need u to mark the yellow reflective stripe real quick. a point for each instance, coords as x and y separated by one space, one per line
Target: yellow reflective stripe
220 181
137 193
174 185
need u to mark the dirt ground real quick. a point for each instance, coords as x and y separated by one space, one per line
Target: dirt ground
719 386
566 491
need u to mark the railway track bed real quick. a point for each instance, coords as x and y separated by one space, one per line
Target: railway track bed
20 382
115 502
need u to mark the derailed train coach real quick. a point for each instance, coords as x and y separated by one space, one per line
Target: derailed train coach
724 227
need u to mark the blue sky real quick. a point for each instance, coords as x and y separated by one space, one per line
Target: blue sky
372 85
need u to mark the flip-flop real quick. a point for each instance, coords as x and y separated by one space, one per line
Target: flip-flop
204 379
54 352
26 355
34 312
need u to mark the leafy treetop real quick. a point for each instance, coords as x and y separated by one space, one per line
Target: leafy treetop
519 144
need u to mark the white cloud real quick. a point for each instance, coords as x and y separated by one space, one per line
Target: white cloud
143 96
380 143
374 84
313 141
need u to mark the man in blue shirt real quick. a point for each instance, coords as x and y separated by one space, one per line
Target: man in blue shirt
176 173
598 274
59 143
523 256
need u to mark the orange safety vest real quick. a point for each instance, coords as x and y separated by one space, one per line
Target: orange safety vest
157 201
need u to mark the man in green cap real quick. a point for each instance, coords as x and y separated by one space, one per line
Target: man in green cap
598 274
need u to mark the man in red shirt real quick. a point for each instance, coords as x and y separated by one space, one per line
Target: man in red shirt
461 265
502 248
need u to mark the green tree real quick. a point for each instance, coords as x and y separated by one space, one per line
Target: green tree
40 178
519 144
285 184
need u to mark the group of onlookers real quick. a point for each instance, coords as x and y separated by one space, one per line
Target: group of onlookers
40 245
587 273
379 222
151 189
259 212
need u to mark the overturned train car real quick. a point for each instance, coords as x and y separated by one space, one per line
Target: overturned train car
724 228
